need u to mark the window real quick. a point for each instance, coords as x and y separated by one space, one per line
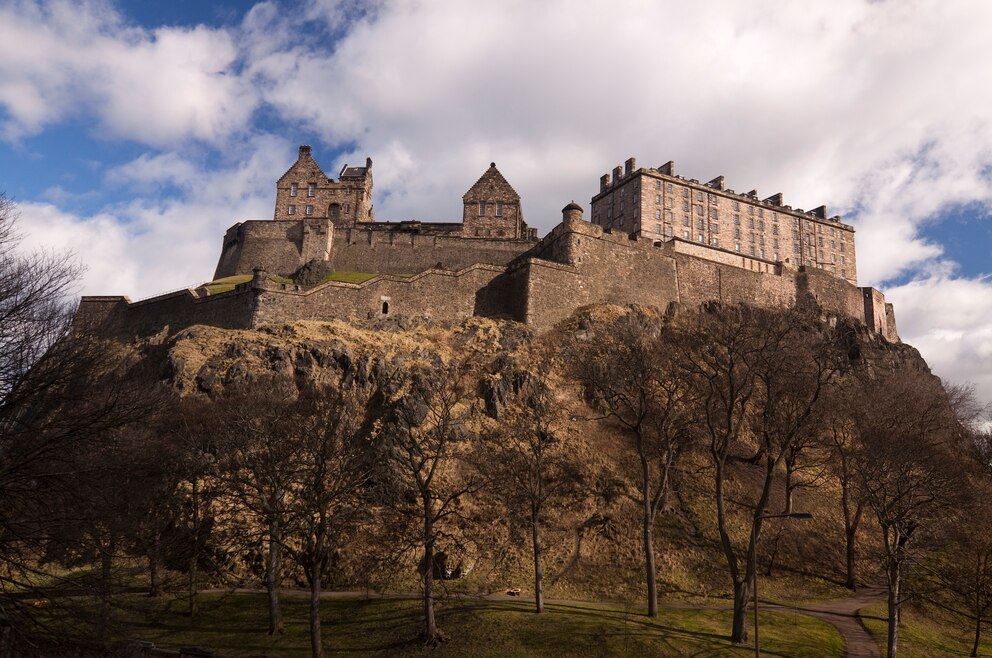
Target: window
668 202
685 234
843 273
609 213
737 247
775 229
482 209
761 212
795 249
699 196
291 210
499 208
737 220
657 198
750 222
842 259
699 210
762 252
657 214
761 225
714 227
668 187
775 256
685 220
701 225
750 210
309 210
293 189
712 198
668 216
716 242
657 185
311 189
833 244
842 245
713 214
685 192
752 250
774 216
737 233
669 231
657 229
702 238
685 206
775 243
831 231
751 237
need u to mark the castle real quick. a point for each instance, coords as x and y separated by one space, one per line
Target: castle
655 239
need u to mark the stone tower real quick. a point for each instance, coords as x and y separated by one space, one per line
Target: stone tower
492 208
305 191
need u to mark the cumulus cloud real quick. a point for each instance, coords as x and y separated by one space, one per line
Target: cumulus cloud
151 245
878 109
61 59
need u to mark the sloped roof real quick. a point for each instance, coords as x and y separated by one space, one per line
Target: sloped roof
305 162
491 181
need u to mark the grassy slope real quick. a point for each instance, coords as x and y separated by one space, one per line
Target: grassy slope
235 624
923 635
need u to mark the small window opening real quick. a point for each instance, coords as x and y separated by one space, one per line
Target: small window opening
385 308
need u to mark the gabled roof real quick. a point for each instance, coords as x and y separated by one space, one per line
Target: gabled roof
492 181
305 162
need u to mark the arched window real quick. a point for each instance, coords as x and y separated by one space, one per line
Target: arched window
385 308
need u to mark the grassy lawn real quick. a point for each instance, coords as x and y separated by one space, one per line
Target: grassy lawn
235 624
923 635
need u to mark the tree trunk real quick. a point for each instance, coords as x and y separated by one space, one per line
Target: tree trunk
978 636
106 573
272 564
155 586
738 633
316 645
194 559
538 573
430 624
789 489
851 581
893 607
647 531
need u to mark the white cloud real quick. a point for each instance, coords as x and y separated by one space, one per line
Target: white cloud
60 59
878 109
146 246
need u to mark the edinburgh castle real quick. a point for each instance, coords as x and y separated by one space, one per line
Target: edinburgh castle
655 239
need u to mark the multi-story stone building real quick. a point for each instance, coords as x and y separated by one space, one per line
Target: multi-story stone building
658 204
305 191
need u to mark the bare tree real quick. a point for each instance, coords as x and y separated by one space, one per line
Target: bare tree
908 470
628 372
529 458
425 446
842 442
759 376
960 572
333 467
257 427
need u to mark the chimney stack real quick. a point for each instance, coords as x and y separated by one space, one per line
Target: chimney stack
668 168
604 182
616 175
628 166
304 150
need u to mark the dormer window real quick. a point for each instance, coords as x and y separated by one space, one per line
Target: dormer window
293 189
482 209
311 189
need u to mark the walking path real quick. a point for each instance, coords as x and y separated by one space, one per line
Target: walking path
843 615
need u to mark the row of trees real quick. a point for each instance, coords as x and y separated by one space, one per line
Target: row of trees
97 462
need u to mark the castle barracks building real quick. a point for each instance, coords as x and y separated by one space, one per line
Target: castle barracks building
655 239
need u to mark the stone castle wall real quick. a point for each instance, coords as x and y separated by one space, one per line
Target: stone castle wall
576 264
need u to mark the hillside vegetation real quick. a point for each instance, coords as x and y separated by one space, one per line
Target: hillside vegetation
628 457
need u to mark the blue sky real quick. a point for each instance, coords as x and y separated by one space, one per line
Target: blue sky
135 133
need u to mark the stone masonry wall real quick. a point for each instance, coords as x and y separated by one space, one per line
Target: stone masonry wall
275 246
441 295
368 250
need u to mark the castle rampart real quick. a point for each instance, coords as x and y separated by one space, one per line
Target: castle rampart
433 269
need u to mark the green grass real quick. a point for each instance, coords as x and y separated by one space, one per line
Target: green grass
228 283
923 634
234 624
349 277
